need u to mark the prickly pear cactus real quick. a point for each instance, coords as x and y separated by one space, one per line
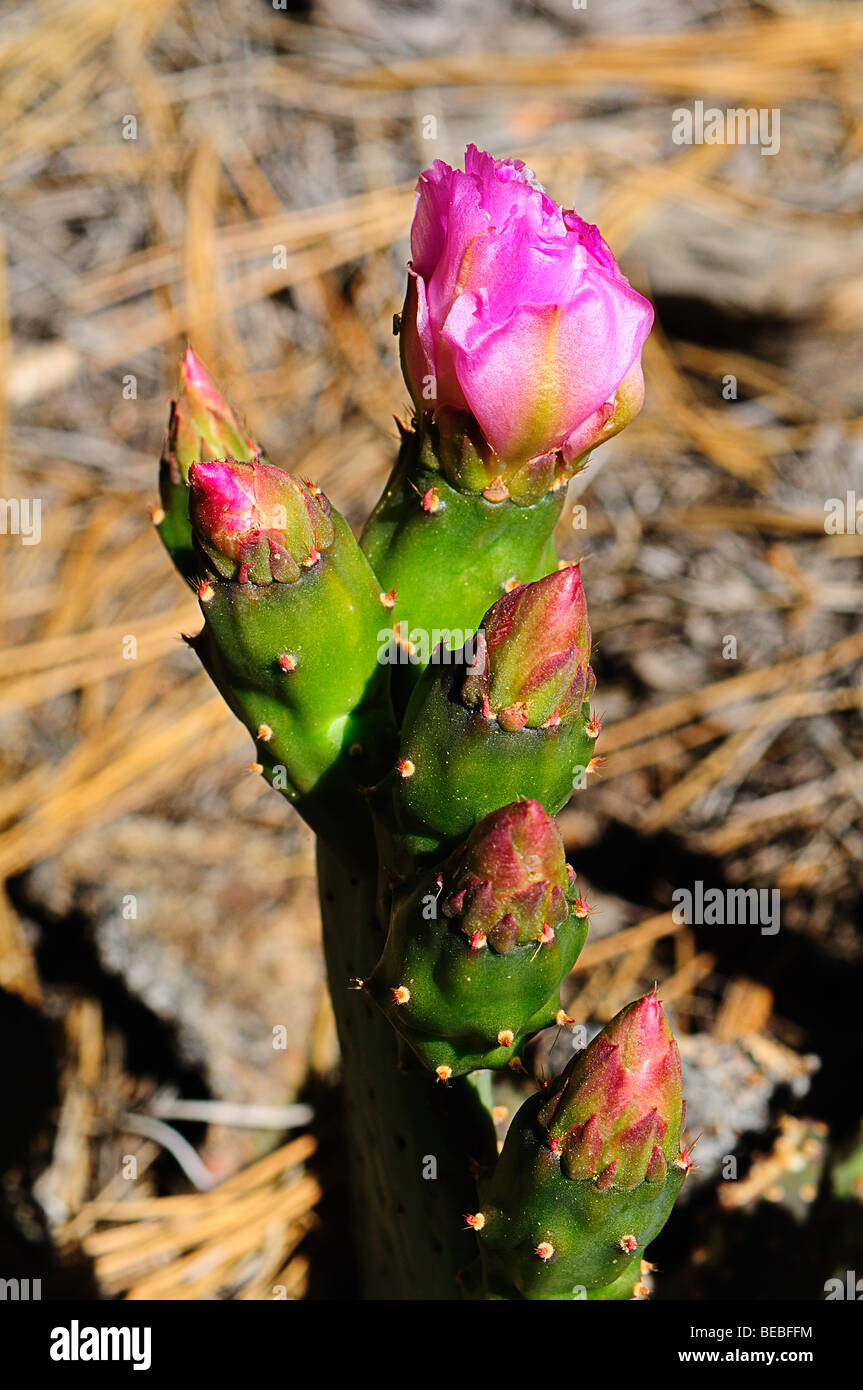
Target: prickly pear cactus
423 698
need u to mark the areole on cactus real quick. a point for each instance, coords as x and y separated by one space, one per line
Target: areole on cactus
451 917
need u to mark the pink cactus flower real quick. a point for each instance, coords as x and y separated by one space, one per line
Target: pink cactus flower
518 314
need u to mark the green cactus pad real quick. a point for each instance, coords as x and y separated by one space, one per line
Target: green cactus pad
449 555
449 1002
457 765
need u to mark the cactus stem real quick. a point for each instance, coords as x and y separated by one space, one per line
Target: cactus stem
401 994
544 1251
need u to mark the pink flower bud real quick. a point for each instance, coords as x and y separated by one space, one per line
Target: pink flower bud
255 522
618 1110
203 425
517 317
532 658
509 886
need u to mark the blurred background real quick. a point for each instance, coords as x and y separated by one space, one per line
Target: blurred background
240 175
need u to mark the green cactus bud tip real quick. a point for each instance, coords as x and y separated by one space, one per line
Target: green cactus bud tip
531 665
510 885
255 523
203 425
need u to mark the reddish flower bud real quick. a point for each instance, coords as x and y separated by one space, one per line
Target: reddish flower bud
509 886
255 522
532 655
619 1106
203 425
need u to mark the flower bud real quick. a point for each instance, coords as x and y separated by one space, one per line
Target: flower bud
532 659
203 426
517 319
256 523
618 1111
510 885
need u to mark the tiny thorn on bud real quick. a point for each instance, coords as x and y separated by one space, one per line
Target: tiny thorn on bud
405 767
571 875
477 941
683 1160
401 995
476 1222
555 1144
443 1073
640 1293
593 727
355 750
506 1037
206 591
389 599
287 662
311 559
497 491
255 767
431 500
356 983
499 1114
487 711
553 720
397 325
515 1064
544 1250
594 765
546 934
648 1268
628 1244
157 514
563 1020
581 909
511 584
264 733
